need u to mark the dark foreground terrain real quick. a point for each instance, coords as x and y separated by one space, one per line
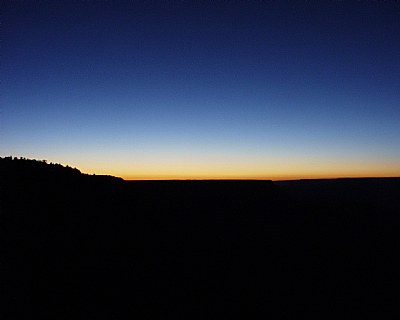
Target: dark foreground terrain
76 246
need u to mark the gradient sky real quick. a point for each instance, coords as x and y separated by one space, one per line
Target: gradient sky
191 89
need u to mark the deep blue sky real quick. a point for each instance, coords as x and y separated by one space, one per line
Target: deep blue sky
191 89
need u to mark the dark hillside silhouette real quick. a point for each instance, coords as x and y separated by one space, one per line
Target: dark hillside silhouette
78 246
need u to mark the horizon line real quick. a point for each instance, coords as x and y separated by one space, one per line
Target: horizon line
265 179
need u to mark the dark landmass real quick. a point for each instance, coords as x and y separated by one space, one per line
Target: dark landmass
78 246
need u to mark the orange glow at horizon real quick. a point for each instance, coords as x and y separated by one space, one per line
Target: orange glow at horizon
208 166
269 171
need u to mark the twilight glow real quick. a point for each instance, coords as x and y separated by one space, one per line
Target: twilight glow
175 90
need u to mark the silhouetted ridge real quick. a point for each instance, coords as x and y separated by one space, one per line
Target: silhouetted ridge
98 247
23 168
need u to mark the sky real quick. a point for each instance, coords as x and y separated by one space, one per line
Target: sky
203 90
